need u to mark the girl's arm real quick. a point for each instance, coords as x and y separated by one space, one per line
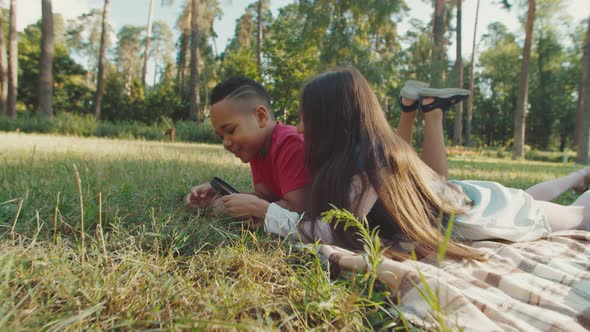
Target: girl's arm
289 224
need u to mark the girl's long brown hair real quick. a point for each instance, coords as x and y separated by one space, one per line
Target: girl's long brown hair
342 116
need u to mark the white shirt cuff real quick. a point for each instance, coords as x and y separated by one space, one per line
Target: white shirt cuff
280 221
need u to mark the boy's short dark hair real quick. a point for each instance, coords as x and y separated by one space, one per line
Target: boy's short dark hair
240 87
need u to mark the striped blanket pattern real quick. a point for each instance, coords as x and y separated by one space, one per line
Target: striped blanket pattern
542 285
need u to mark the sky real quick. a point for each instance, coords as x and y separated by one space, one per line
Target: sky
135 12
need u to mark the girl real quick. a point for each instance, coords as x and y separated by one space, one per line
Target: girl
357 162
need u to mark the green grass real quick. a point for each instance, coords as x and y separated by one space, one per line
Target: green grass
146 262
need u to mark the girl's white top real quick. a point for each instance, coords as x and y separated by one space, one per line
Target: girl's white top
498 212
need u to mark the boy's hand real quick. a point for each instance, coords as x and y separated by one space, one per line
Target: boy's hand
200 196
217 205
245 205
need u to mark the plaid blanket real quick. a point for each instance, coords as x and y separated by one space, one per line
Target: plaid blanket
542 285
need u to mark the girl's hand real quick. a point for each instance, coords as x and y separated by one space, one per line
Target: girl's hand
200 196
245 205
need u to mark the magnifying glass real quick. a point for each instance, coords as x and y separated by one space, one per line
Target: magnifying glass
222 187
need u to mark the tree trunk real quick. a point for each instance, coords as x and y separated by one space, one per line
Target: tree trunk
579 130
471 81
259 50
458 127
46 61
156 49
184 40
523 87
543 140
12 62
146 54
438 32
3 68
100 78
195 59
583 112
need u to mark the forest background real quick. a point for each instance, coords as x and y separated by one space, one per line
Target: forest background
284 43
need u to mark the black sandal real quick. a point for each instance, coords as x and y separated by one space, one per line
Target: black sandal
444 103
408 108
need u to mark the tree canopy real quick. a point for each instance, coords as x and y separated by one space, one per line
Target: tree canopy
303 39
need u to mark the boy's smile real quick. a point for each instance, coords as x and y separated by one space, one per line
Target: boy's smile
242 132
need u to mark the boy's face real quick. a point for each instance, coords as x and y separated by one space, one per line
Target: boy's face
241 131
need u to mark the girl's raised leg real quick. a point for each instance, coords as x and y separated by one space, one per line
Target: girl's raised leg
434 152
406 122
433 101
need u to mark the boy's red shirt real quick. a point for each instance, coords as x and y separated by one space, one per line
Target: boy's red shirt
283 169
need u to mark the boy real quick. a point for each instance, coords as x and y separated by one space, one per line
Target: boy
243 118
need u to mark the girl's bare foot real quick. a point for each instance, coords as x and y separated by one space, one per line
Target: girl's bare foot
427 100
408 106
408 102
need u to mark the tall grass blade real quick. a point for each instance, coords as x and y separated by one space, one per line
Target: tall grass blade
20 205
79 183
